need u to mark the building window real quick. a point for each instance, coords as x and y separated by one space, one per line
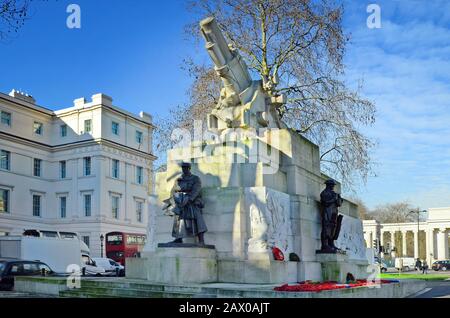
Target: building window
36 205
5 158
87 126
139 175
115 207
38 128
4 201
139 206
139 137
6 118
63 130
86 240
115 128
62 168
37 167
87 204
87 166
115 169
63 207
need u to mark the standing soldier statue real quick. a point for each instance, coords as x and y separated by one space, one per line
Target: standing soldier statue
186 206
331 220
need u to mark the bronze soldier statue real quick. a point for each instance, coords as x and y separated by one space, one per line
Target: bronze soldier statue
331 220
187 204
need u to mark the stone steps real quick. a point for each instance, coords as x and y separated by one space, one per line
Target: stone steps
145 291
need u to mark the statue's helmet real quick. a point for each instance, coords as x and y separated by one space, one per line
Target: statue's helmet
185 164
331 182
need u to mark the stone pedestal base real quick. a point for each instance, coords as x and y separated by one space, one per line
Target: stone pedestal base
335 267
257 271
175 266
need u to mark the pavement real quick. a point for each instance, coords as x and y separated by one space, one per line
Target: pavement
436 289
12 294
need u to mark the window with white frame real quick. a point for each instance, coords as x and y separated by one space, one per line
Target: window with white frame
86 240
6 118
139 175
63 207
62 169
37 205
4 201
5 159
37 167
115 206
63 130
139 137
115 128
87 204
38 128
115 169
139 211
87 166
87 126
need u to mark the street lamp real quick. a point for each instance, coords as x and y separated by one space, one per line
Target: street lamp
101 245
418 225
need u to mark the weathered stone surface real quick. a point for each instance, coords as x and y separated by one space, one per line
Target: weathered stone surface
175 266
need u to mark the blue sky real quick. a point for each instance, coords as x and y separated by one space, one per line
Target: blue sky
132 50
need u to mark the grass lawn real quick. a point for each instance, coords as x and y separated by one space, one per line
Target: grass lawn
415 276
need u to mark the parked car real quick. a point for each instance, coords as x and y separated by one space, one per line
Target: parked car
110 266
9 268
441 265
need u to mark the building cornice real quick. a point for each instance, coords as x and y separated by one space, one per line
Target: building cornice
77 144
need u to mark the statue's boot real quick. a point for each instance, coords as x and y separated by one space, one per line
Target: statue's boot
201 239
177 241
332 246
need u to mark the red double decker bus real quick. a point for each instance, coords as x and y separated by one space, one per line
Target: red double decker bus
121 245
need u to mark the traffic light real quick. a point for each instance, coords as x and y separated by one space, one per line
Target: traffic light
375 245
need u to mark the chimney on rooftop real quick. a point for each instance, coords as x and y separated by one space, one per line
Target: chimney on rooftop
22 96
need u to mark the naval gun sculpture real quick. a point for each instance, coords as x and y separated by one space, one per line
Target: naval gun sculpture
243 102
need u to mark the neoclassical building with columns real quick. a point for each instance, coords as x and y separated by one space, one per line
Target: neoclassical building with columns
427 240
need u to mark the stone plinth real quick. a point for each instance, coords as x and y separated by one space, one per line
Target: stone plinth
257 271
335 267
175 265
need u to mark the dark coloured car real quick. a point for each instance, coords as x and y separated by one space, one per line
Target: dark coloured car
441 265
10 268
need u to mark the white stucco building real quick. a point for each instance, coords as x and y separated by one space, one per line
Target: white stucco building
84 169
427 240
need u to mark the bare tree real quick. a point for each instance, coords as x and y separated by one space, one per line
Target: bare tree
363 210
398 212
13 14
299 45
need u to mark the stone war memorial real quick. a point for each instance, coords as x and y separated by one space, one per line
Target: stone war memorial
269 215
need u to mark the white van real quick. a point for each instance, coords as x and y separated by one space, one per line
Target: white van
110 266
90 267
405 263
60 254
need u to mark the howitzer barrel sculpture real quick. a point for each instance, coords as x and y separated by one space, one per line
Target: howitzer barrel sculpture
243 102
228 64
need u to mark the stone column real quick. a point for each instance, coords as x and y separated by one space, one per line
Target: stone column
430 245
404 245
393 243
442 244
416 244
